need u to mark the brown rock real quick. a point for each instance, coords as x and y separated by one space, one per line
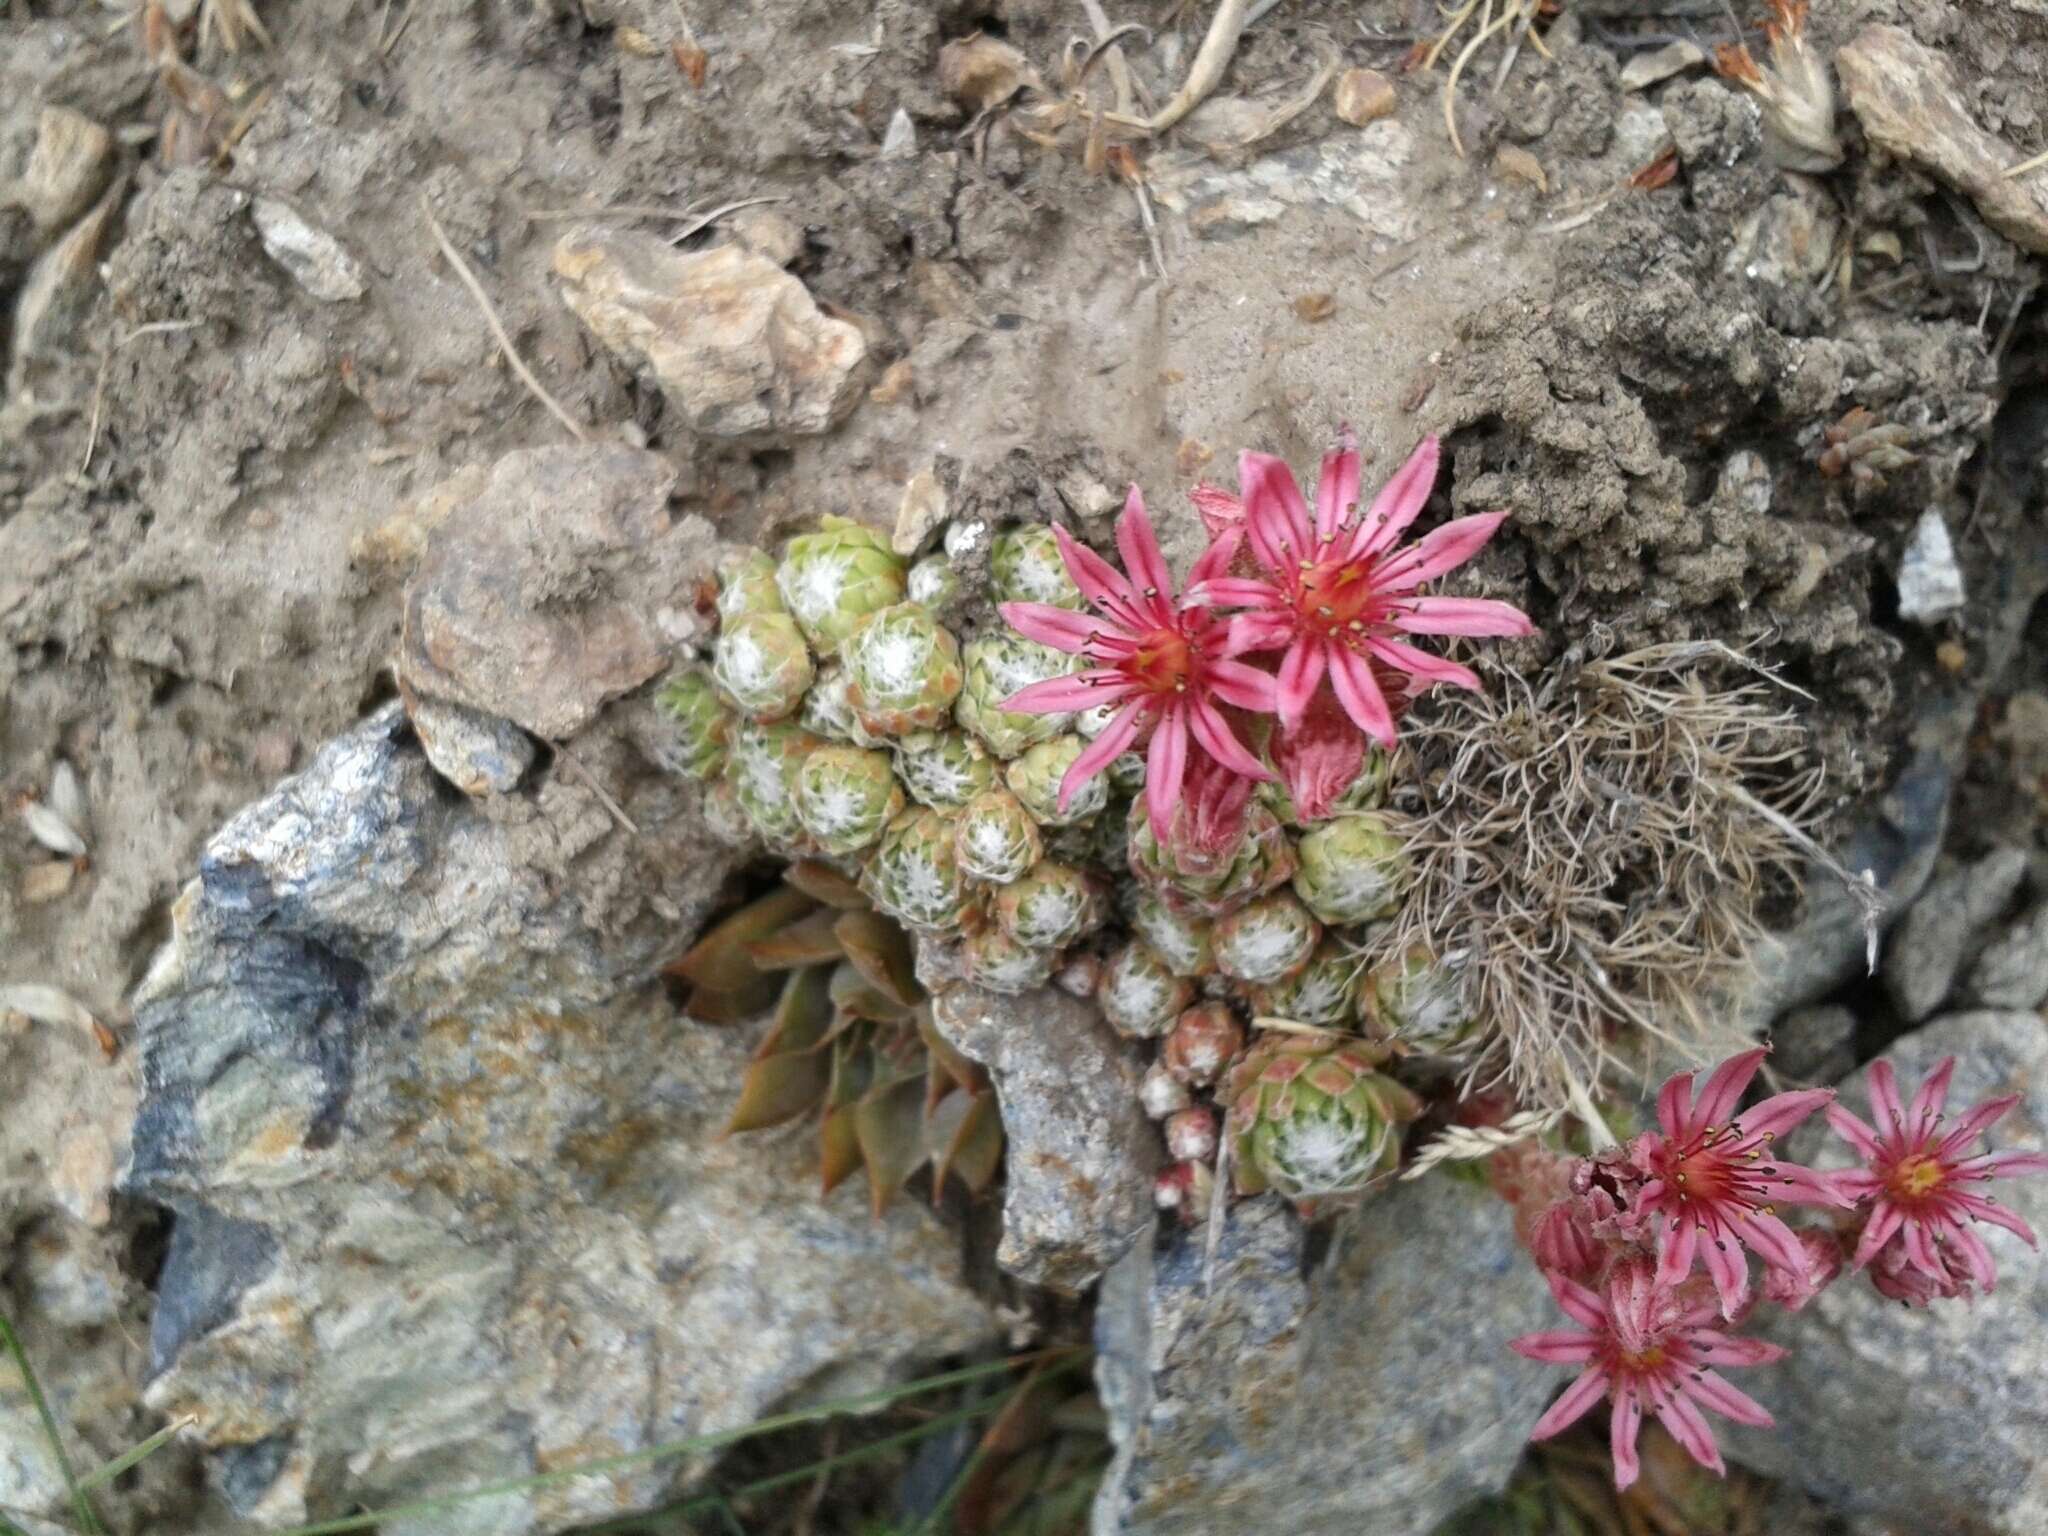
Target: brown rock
1365 96
1907 99
535 599
67 169
738 345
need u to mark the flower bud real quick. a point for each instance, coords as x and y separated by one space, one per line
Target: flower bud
1162 1093
1204 1040
1191 1134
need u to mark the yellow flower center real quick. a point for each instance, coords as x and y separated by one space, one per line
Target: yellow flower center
1914 1178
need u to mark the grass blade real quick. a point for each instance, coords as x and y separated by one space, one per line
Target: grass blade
88 1517
133 1455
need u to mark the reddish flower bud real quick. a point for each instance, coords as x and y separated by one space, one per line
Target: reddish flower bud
1191 1135
1203 1042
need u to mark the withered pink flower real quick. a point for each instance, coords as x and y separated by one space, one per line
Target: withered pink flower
1338 593
1715 1183
1647 1346
1792 1291
1167 662
1917 1176
1321 754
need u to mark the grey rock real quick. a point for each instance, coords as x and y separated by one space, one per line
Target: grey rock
1928 1417
2012 972
1362 173
69 167
1930 581
316 261
479 754
538 597
1373 1391
1936 938
450 1203
1653 65
1081 1152
1814 1045
737 344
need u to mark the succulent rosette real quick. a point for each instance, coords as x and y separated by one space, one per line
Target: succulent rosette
1320 993
762 770
914 876
995 838
1222 848
1185 943
1049 906
1266 940
995 961
1138 994
1353 869
943 769
1035 778
1025 566
725 817
933 582
996 668
903 671
746 584
1419 1000
845 796
703 725
762 665
1313 1118
827 711
1204 1040
832 579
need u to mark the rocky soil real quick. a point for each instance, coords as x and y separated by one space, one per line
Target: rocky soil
344 1114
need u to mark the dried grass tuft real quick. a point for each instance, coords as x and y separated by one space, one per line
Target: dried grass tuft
1598 845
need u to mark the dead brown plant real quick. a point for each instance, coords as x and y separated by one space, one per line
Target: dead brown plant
1596 849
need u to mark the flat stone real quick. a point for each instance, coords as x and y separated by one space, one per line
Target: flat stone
1081 1153
1362 173
1928 1418
1939 934
737 344
1814 1045
479 754
1930 581
1910 105
314 259
451 1202
69 166
1372 1390
1364 96
1655 65
535 600
2012 972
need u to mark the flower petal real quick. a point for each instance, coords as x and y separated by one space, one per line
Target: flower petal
1214 563
1933 1094
1337 490
1400 500
1220 510
1216 739
1674 1260
1103 750
1976 1258
1724 1088
1715 1390
1976 1120
1998 1216
1730 1269
1622 1428
1244 686
1689 1428
1419 663
1166 765
1234 592
1248 632
1274 511
1100 582
1674 1106
1774 1243
1460 616
1563 1346
1359 692
1438 552
1301 673
1885 1221
1579 1399
1885 1108
1780 1112
1579 1303
1059 628
1057 695
1712 1347
1139 546
2002 1165
1852 1130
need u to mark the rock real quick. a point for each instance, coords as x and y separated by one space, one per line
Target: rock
316 261
1789 240
1940 932
535 599
1930 581
479 754
900 140
1081 1152
921 515
768 233
50 311
2013 970
1814 1045
1365 96
1928 1417
737 344
1364 173
1654 65
1907 99
451 1205
980 71
1287 1398
67 169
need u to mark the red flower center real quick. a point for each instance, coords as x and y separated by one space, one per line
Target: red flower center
1164 662
1703 1171
1914 1178
1337 600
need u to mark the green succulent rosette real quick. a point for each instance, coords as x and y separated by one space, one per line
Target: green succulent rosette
746 584
944 769
1261 860
762 770
934 582
998 963
1418 1000
1034 777
1139 994
689 700
914 876
828 712
1024 566
762 665
1352 869
1321 993
903 671
725 817
845 796
1313 1118
832 579
1184 942
998 666
1049 906
996 839
1266 940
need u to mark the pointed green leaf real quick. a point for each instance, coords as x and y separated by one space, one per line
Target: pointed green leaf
975 1154
719 960
803 1014
882 953
889 1121
779 1088
838 1147
709 1006
853 993
821 882
807 941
